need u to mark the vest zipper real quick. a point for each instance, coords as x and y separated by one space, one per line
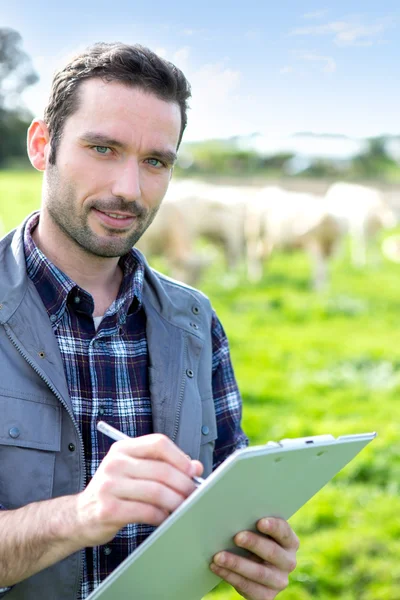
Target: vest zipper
182 389
61 399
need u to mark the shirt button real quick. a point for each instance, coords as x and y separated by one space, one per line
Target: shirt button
205 430
102 411
53 318
107 550
189 373
71 447
14 432
77 300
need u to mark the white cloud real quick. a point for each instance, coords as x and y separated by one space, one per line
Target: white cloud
286 69
161 52
180 58
346 32
216 96
328 63
317 14
252 34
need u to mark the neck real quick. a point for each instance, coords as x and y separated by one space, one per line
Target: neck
101 277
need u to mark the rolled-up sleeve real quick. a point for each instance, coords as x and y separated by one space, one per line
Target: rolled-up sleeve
4 590
227 398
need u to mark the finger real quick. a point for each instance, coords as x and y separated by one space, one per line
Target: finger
198 466
245 587
280 531
139 512
156 446
145 491
267 549
139 468
259 573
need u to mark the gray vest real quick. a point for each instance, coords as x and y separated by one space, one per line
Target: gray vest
37 425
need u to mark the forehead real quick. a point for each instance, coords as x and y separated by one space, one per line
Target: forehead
124 112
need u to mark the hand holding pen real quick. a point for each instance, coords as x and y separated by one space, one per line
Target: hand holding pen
140 480
117 435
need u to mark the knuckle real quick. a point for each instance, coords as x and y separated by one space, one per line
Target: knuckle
161 441
106 510
296 542
106 485
292 564
273 552
244 586
261 574
158 494
282 581
232 561
152 515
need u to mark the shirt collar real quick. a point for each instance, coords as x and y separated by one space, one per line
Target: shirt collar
56 289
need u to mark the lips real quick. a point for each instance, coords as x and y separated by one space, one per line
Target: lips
114 219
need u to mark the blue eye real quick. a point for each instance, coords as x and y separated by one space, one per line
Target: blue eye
101 149
154 162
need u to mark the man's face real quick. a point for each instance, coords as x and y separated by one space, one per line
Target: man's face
113 166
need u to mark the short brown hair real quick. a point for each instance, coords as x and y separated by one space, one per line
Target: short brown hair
136 66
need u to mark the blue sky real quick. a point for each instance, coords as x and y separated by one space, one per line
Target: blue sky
256 66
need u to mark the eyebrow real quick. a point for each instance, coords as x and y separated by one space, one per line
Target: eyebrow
98 139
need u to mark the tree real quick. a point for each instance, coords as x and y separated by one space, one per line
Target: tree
16 74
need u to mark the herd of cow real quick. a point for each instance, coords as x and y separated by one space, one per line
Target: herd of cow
250 223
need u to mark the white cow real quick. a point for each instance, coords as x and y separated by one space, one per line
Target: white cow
192 210
361 212
281 219
169 236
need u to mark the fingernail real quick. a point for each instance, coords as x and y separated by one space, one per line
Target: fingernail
265 523
241 538
219 558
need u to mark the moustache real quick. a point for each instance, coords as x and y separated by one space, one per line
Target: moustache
120 205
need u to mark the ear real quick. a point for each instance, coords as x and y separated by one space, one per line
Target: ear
38 144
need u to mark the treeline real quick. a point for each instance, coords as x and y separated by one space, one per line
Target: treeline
221 157
16 73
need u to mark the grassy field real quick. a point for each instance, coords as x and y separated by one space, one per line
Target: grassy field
309 364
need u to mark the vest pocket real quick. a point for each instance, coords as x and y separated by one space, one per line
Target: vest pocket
208 435
30 435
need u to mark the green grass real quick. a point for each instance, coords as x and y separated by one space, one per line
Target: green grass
307 364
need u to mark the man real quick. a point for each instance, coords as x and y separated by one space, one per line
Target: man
88 331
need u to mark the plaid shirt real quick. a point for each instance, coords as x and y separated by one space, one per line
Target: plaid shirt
107 376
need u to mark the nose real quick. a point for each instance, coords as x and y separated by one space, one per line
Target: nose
127 181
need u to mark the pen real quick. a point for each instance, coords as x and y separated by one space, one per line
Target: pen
117 435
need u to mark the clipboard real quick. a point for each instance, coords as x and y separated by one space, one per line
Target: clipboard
254 482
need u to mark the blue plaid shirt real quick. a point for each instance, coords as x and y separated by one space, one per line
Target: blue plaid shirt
107 376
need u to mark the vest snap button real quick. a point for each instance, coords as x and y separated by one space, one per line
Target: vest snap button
14 432
205 430
195 310
71 447
189 373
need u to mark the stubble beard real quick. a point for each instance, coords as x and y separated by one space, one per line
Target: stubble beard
61 205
